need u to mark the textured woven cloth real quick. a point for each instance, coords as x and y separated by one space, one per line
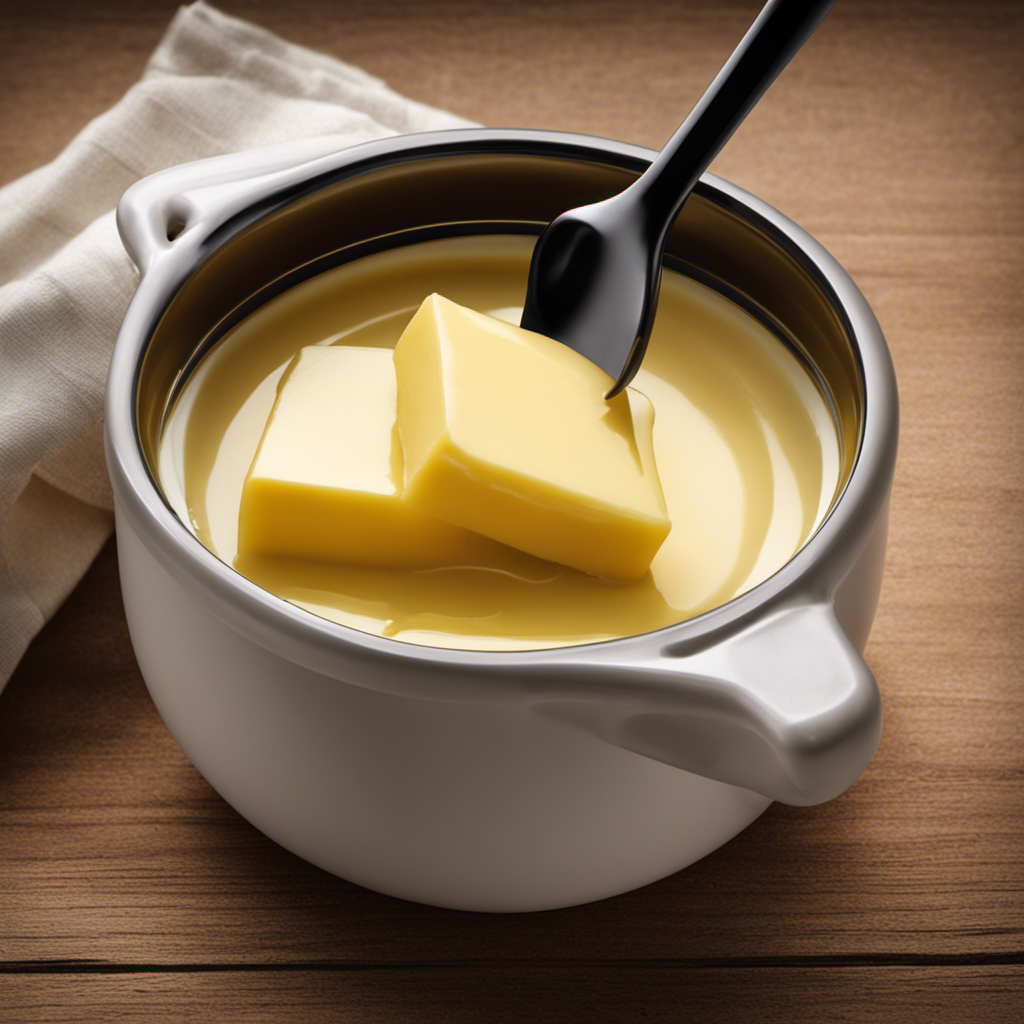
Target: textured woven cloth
214 85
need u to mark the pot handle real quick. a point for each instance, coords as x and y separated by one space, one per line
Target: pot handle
171 208
786 707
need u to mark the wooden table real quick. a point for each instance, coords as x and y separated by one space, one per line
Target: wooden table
129 890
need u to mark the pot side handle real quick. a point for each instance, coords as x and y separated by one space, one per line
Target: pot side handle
171 208
786 708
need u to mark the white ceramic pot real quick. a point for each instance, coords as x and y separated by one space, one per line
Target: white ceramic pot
482 780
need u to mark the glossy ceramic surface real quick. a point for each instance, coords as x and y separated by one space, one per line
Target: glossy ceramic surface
491 780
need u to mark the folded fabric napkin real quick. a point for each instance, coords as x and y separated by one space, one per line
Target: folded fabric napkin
214 85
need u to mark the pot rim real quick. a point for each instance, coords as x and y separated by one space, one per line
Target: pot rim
811 575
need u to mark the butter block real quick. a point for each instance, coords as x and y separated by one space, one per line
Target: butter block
507 433
326 481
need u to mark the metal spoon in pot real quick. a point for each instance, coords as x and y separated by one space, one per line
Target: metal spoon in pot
596 270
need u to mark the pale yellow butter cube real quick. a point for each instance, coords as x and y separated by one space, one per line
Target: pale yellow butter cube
508 433
325 483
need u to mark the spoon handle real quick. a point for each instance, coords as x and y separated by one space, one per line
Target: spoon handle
782 27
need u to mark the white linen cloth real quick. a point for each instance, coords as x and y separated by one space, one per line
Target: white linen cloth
215 84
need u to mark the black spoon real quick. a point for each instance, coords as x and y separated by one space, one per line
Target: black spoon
596 270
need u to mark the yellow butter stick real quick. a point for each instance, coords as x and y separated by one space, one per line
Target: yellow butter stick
507 433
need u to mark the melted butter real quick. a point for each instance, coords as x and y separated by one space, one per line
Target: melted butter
744 442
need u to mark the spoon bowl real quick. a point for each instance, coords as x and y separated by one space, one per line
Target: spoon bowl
593 285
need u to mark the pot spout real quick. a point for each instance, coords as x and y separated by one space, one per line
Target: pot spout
786 707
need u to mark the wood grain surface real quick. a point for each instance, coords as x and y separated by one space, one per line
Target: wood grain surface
130 890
